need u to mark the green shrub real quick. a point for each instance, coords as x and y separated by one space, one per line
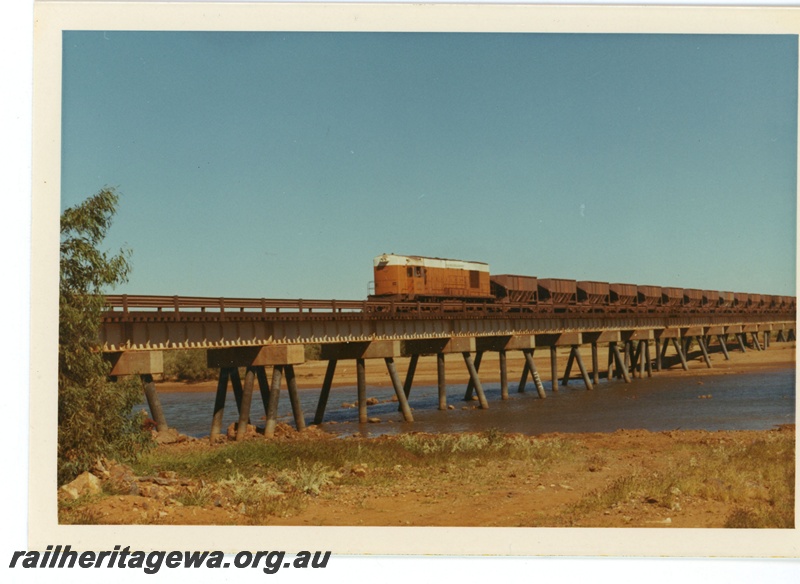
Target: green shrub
187 365
94 415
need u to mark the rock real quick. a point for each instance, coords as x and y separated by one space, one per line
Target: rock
100 469
121 478
359 470
348 405
250 431
85 484
372 401
152 491
168 436
374 420
451 407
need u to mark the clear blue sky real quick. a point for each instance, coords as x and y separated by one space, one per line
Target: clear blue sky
280 164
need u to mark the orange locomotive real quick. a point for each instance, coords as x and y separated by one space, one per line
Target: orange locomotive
419 278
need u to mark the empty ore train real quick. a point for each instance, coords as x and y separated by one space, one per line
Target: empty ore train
424 279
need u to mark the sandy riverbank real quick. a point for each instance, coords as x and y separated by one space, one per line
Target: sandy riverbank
310 375
621 479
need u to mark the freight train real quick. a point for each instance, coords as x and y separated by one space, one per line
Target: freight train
423 279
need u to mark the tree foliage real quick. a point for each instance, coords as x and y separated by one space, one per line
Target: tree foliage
94 415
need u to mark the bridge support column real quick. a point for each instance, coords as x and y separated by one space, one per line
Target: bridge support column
740 340
523 379
664 349
755 342
398 389
647 362
294 398
791 335
326 391
440 378
706 358
620 365
781 338
503 375
658 354
634 359
680 354
476 382
553 368
153 402
412 368
595 365
610 364
247 400
587 382
361 381
568 370
534 373
236 383
143 364
640 353
471 383
219 403
767 335
263 386
274 398
721 339
626 350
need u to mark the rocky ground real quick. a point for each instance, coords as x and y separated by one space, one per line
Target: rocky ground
625 478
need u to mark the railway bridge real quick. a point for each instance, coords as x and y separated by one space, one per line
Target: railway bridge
257 333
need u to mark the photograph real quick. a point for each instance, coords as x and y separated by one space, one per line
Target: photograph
495 270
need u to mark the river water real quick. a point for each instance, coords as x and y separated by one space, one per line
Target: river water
744 401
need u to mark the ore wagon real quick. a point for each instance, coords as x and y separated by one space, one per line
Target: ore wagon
516 289
711 298
692 298
671 297
648 296
558 292
594 294
623 295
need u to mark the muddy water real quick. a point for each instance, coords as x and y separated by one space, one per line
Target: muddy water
745 401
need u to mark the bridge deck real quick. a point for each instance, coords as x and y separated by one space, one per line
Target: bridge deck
158 323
